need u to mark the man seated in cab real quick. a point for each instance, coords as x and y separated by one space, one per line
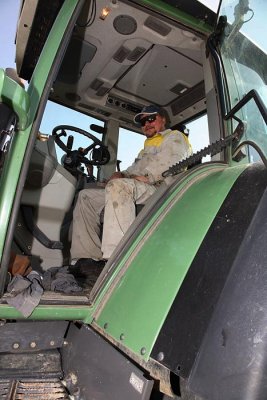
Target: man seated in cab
162 149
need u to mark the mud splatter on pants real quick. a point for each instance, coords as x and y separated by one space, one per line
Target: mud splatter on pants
119 199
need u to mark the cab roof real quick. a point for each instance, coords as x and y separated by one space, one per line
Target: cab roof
142 52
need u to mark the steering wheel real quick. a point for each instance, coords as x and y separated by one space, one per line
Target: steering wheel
99 153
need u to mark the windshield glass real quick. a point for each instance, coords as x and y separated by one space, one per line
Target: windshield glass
243 52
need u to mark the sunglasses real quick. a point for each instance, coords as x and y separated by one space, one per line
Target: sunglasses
149 118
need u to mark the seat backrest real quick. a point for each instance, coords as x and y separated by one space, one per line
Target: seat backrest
42 165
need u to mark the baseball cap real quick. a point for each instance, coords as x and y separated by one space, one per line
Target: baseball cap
148 110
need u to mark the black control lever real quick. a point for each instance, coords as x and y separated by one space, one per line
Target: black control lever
70 142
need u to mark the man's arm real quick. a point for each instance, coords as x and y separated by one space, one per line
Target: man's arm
118 175
149 167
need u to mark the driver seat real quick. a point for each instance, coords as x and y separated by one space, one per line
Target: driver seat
48 195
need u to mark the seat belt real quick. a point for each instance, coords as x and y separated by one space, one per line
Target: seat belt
27 212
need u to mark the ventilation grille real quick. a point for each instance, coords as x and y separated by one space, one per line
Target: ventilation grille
157 26
121 54
136 53
191 97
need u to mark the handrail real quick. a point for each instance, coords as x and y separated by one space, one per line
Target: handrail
253 94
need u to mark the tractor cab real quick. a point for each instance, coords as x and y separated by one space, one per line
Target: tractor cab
178 311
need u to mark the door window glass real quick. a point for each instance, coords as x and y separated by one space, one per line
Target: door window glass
56 114
243 51
130 144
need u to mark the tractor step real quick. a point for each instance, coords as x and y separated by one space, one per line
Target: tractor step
33 389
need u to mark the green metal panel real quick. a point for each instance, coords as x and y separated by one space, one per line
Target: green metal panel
139 304
178 15
53 312
14 96
16 154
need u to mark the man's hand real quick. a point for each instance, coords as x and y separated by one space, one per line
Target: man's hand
116 175
140 178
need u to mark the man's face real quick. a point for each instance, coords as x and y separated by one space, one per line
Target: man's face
152 124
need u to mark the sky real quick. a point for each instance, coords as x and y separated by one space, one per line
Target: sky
9 11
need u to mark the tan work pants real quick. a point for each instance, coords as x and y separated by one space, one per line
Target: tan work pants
119 199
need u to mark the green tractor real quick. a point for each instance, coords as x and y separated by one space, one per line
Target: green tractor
179 310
